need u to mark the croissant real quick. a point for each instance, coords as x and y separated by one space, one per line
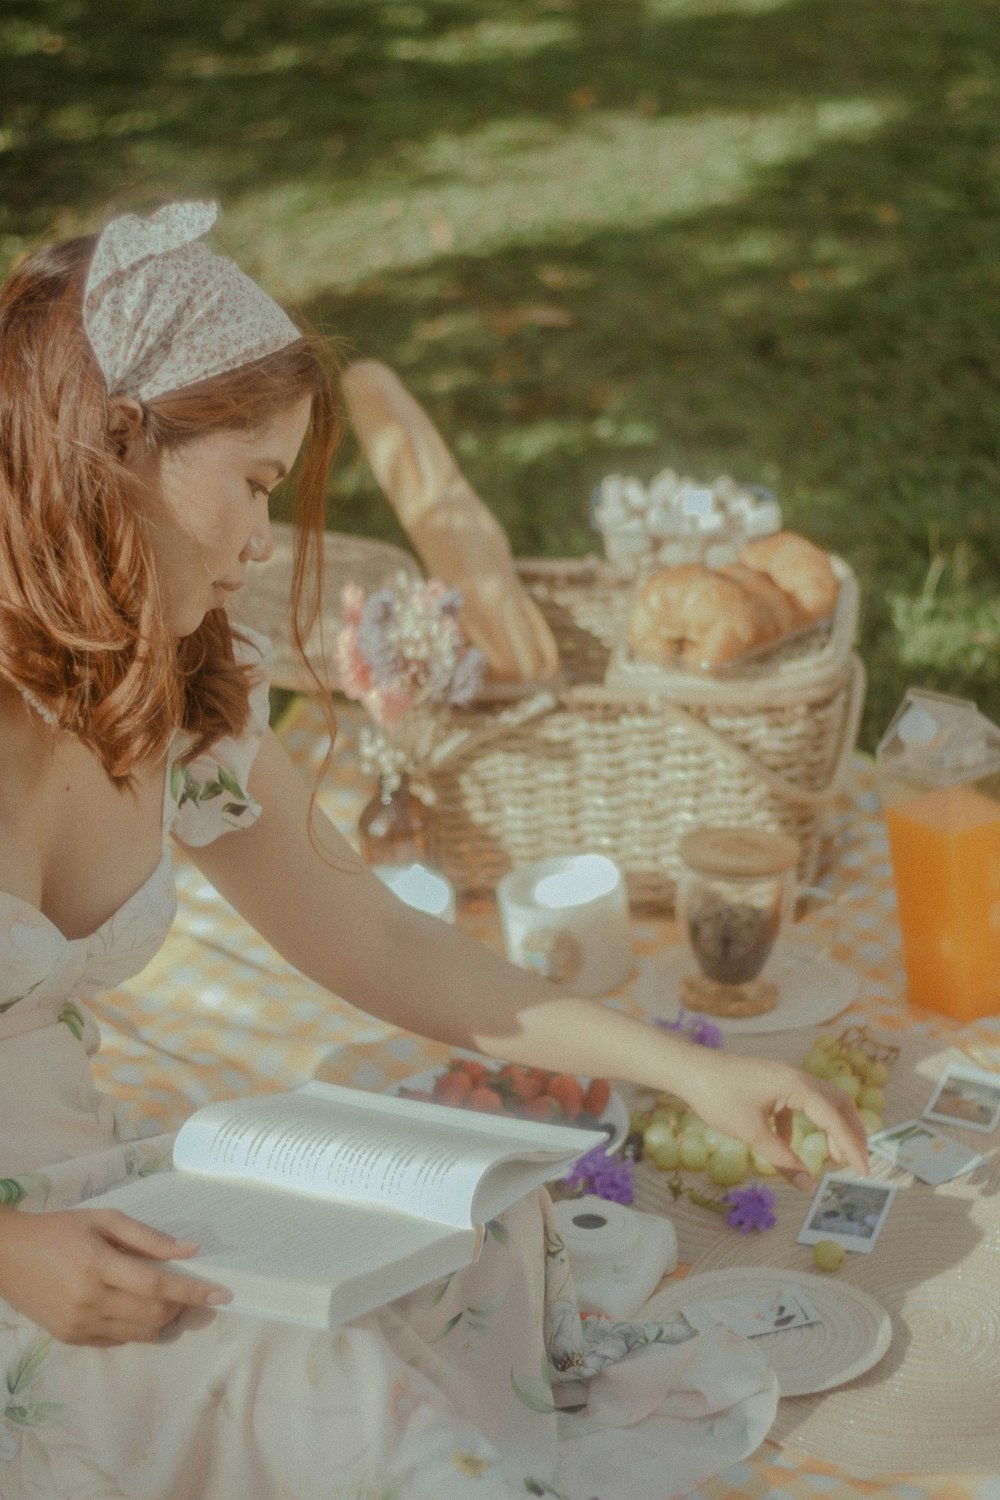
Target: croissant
705 617
697 616
787 610
799 567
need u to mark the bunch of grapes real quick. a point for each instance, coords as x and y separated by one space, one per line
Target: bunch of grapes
847 1062
675 1139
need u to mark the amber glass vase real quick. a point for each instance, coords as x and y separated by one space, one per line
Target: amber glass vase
396 827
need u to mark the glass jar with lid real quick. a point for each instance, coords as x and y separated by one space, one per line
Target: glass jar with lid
735 891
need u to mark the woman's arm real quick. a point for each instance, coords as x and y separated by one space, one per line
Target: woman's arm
325 912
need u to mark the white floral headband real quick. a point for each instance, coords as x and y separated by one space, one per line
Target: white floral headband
162 311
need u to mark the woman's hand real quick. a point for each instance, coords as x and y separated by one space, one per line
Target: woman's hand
754 1099
89 1276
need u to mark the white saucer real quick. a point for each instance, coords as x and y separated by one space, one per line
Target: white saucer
811 988
853 1335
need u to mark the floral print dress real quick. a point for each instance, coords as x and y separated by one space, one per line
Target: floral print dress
487 1384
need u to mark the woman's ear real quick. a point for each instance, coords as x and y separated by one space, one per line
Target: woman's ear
126 427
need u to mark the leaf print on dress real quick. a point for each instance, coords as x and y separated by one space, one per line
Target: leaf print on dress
533 1391
70 1016
474 1317
30 950
35 1186
186 789
24 1406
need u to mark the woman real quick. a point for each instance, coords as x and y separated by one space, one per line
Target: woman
151 397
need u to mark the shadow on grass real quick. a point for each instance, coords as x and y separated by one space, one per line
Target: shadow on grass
833 333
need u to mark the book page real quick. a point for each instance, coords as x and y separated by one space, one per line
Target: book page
290 1255
364 1148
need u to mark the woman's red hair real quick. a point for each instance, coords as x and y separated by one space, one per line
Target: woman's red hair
81 626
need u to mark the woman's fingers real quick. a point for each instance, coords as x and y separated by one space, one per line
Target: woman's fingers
130 1265
155 1284
127 1318
131 1234
845 1134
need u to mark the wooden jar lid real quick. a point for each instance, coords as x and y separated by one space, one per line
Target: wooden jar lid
738 853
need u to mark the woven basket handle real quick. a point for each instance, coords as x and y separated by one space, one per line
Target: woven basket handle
775 783
544 702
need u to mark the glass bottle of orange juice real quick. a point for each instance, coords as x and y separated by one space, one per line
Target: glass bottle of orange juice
939 777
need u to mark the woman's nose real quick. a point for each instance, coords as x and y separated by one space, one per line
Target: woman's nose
259 545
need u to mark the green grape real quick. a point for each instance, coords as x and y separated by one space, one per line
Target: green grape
667 1155
762 1166
813 1152
828 1041
714 1138
816 1063
801 1127
828 1255
871 1120
878 1074
693 1152
846 1080
871 1098
662 1114
728 1165
661 1144
691 1123
858 1060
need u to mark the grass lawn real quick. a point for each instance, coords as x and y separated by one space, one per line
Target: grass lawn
755 237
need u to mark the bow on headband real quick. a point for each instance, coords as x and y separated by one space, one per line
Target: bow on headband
163 312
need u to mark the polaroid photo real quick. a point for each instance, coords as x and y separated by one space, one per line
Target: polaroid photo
753 1313
967 1097
918 1148
850 1210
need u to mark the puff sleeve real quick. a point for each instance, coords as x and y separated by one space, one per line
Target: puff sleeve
208 795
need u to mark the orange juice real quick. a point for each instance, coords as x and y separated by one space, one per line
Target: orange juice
945 845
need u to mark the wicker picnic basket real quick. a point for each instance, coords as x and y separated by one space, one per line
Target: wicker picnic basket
623 764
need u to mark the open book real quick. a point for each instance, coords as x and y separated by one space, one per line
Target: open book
318 1205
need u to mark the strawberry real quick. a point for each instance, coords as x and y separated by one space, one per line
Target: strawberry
595 1100
568 1092
483 1098
452 1087
542 1107
474 1070
517 1084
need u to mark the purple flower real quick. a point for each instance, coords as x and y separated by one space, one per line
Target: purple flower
605 1176
697 1028
751 1207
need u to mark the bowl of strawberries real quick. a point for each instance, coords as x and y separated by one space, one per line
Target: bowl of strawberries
470 1082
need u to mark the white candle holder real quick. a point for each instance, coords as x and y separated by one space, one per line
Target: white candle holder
423 889
568 919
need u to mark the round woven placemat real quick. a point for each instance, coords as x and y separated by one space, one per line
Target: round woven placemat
932 1403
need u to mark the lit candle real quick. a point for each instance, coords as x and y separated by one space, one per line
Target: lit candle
425 890
568 919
